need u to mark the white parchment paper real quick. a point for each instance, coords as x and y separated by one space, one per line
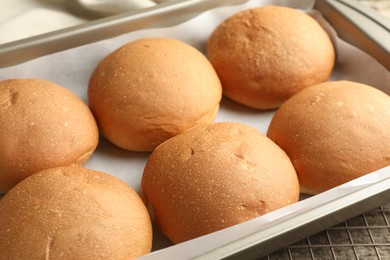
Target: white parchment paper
72 69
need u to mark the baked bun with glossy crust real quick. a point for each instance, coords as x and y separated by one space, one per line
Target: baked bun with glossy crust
334 132
73 213
215 176
43 125
152 89
265 55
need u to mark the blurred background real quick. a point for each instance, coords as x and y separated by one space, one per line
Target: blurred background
24 18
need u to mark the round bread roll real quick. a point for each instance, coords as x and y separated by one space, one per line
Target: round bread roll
73 213
215 176
265 55
43 125
334 132
152 89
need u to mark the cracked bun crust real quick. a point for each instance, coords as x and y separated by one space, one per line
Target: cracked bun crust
42 125
152 89
73 213
215 176
265 55
334 132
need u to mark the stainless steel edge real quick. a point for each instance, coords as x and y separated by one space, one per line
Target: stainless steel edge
286 231
165 14
359 25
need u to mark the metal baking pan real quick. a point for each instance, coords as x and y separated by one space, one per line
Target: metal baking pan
323 210
353 21
360 26
162 15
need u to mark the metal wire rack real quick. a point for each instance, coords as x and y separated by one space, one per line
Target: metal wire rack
363 237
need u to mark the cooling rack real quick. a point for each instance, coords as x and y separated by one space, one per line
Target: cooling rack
366 236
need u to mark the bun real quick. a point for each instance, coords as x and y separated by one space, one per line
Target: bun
265 55
333 133
152 89
215 176
73 213
43 125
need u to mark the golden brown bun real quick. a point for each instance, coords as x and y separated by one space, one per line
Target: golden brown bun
265 55
215 176
43 125
152 89
73 213
334 132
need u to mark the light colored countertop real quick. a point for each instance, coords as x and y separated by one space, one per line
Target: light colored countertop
383 6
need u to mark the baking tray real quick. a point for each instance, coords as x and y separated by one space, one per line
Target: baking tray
354 22
273 231
162 15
